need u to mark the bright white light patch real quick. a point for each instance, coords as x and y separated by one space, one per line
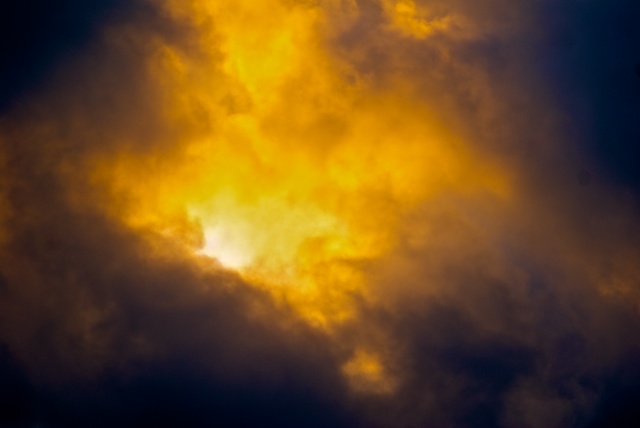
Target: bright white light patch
221 246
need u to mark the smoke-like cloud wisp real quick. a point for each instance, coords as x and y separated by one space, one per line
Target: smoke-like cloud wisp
313 213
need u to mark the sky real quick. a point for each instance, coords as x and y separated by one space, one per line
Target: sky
320 213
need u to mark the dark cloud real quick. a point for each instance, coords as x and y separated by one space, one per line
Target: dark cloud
619 406
102 326
499 329
589 53
516 315
36 36
16 395
100 329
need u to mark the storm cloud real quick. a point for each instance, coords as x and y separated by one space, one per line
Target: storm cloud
385 213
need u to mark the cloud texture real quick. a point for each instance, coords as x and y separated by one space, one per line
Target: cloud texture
371 213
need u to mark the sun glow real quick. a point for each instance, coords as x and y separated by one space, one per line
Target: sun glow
293 167
221 245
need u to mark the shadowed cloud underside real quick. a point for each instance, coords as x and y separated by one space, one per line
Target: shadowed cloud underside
357 213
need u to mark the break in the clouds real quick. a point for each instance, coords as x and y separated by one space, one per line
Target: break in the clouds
386 213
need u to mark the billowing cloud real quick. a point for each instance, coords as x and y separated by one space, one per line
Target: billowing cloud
316 213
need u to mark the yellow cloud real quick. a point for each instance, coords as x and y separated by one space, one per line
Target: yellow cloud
406 18
292 168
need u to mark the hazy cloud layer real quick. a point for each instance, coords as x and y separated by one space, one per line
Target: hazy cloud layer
432 214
